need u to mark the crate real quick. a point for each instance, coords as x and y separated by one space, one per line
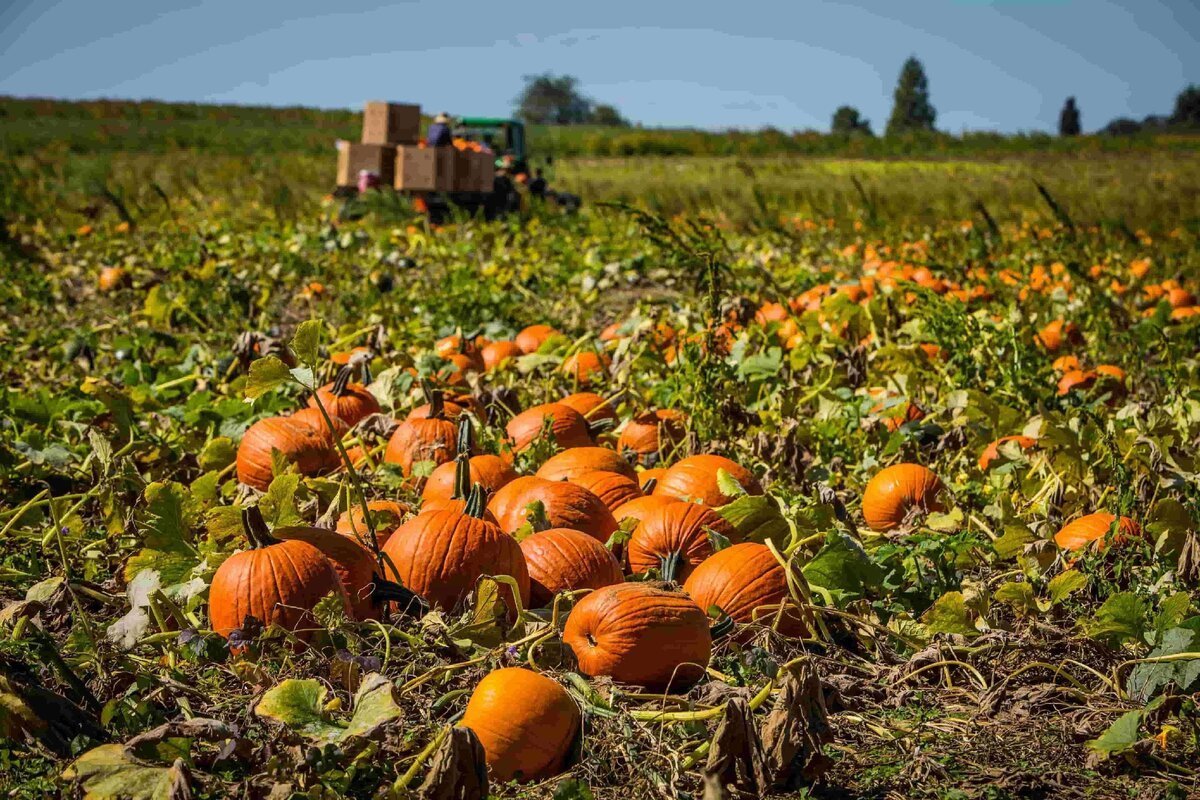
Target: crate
446 169
475 171
377 158
416 168
391 123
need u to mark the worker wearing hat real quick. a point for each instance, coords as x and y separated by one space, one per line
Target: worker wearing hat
439 132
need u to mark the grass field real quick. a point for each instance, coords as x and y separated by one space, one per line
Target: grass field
1020 621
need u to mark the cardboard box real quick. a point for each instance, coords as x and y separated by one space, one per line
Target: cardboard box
447 162
474 172
391 123
377 158
416 168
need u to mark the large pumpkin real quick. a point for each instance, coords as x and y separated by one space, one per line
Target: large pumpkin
593 407
640 634
353 563
303 439
565 504
741 580
640 507
1093 528
894 491
440 555
561 560
387 515
572 463
349 402
653 434
275 582
525 721
489 471
430 438
613 490
695 478
566 427
991 454
674 539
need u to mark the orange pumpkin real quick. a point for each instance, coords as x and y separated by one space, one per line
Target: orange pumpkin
649 478
741 580
565 426
651 435
349 402
586 367
695 478
896 490
572 463
489 471
674 539
1093 528
497 354
900 414
565 504
1065 364
613 490
353 563
639 507
112 278
991 453
563 560
525 721
430 438
1057 333
592 406
387 514
531 338
640 634
303 439
1076 379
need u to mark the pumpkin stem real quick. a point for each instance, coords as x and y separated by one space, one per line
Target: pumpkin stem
462 476
475 502
465 432
341 382
410 603
437 405
669 565
651 484
598 426
256 528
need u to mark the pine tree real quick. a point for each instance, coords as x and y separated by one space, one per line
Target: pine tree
847 119
912 110
1068 120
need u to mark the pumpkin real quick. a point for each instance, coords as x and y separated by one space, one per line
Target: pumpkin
640 507
565 505
277 583
1057 333
454 344
1111 372
894 491
649 478
1076 379
489 471
586 367
387 515
454 404
577 461
567 427
1079 533
897 415
531 338
674 539
525 721
349 402
740 580
640 634
112 278
302 441
457 367
497 354
562 560
592 406
440 555
429 438
652 435
353 563
1065 364
992 453
695 478
613 490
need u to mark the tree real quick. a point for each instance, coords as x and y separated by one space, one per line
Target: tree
604 114
1187 108
912 110
548 99
1068 120
847 120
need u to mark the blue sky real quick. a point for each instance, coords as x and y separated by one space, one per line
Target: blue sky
992 64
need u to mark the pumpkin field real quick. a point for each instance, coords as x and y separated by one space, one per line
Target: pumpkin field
828 479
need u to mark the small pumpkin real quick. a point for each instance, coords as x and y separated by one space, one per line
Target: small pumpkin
898 415
562 560
695 478
674 539
302 440
525 721
652 435
566 427
564 504
430 438
586 367
592 406
497 354
577 461
1093 528
532 337
742 580
991 454
489 471
387 515
640 634
349 402
895 491
1076 379
276 582
1057 333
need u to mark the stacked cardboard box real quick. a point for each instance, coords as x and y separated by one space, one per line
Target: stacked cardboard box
385 126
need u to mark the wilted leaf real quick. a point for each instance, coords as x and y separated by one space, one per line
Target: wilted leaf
1147 679
949 614
299 704
108 772
374 707
1012 542
278 504
1019 595
217 454
729 485
167 535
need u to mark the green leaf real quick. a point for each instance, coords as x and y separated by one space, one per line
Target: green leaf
1121 618
949 614
167 534
757 518
278 505
1012 542
1019 595
1065 584
729 485
842 568
374 707
945 523
761 366
1172 611
218 454
299 704
265 375
304 377
107 772
1118 737
1147 679
306 342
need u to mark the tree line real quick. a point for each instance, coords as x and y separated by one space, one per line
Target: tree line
548 99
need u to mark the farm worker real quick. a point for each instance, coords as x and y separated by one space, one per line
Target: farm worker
439 132
537 186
